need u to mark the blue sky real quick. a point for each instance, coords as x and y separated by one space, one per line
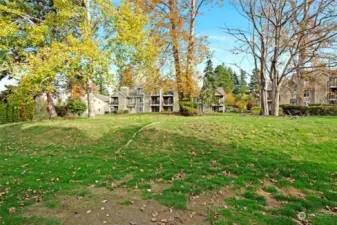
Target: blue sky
209 24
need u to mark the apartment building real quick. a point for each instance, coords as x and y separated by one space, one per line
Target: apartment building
218 104
136 100
319 88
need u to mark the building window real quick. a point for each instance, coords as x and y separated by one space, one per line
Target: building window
306 103
141 100
307 94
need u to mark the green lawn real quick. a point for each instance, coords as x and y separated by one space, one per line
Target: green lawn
261 170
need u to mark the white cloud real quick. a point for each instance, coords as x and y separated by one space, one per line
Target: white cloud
218 38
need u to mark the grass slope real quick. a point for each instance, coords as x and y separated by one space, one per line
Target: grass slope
260 159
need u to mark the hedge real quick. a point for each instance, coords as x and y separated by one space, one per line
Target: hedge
15 113
296 110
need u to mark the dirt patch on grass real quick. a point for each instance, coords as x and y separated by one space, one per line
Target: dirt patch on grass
121 206
159 187
200 203
293 192
271 202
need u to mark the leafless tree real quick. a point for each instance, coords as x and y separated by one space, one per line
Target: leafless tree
284 38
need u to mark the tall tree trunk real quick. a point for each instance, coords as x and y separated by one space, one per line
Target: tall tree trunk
300 73
50 106
264 101
90 98
175 44
299 89
190 51
90 93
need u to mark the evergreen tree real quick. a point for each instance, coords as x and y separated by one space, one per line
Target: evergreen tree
208 72
224 78
243 82
208 89
254 84
236 90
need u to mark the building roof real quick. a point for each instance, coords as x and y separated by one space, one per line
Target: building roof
102 97
220 91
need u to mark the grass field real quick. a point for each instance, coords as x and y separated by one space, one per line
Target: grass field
135 169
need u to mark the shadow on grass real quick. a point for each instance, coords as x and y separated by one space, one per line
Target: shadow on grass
192 165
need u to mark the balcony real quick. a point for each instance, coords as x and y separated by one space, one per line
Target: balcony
155 93
114 101
170 93
332 83
332 96
168 102
131 103
156 102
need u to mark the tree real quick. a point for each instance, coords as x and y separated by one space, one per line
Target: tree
243 82
254 84
236 90
224 78
173 26
275 42
27 28
209 87
76 106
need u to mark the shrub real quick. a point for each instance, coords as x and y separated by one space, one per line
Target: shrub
256 110
61 110
230 100
241 106
15 113
324 110
126 111
188 111
250 105
76 106
188 104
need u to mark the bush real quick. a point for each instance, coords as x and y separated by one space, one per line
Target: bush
16 113
188 111
250 105
256 110
318 104
76 106
296 110
61 110
188 104
121 111
241 106
27 112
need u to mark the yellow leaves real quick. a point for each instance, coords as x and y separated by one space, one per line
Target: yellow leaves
130 24
4 8
7 28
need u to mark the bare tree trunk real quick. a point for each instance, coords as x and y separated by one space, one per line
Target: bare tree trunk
299 89
175 44
90 98
264 101
50 106
90 93
190 52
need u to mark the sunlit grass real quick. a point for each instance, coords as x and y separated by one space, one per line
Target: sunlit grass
194 155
